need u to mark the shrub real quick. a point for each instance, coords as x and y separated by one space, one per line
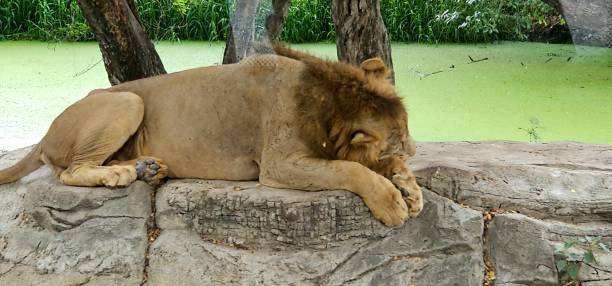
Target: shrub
429 21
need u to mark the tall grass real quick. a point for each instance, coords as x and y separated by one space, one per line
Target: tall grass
462 20
308 20
42 19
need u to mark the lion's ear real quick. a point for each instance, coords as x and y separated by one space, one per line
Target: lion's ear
360 138
375 67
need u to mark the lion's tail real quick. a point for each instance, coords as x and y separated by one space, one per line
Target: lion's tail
27 165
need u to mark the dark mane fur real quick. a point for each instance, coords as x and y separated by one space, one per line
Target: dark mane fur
332 96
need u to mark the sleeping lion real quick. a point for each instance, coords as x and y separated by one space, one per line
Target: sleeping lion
290 120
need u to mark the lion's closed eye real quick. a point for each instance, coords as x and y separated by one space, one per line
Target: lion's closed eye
360 137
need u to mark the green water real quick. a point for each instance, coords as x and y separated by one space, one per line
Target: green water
521 85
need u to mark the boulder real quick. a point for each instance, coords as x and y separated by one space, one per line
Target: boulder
499 208
52 234
539 196
441 247
522 250
565 181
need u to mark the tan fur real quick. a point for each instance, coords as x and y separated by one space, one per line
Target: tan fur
291 121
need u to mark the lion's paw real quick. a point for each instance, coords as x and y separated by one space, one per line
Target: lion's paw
411 192
386 204
118 176
151 170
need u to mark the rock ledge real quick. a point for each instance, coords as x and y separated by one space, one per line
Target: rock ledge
535 196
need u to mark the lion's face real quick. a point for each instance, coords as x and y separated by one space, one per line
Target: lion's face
353 113
385 146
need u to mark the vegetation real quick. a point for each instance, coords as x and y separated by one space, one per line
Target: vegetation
429 21
462 20
573 253
532 131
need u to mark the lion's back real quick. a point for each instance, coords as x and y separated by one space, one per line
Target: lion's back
201 119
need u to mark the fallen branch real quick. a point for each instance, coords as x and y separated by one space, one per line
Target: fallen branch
423 75
475 61
87 69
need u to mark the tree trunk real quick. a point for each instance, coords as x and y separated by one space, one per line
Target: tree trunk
589 21
126 49
555 4
360 32
276 19
242 32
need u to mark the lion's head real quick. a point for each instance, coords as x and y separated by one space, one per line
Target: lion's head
354 113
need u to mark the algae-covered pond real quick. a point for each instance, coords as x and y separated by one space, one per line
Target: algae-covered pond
522 91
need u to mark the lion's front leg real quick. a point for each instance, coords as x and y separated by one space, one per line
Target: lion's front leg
305 173
148 169
396 170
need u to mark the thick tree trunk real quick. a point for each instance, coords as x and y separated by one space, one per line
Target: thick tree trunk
590 21
127 51
242 32
360 31
276 19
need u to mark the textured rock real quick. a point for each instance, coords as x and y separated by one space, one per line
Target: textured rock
441 247
559 191
52 234
563 181
519 243
241 233
248 212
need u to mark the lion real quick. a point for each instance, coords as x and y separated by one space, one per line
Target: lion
289 120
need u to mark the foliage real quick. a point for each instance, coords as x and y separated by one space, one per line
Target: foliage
43 19
309 21
430 21
185 19
532 131
569 260
436 21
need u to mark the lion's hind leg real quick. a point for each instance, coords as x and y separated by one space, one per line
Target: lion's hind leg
88 133
90 176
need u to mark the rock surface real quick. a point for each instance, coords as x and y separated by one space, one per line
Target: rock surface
545 194
52 234
533 196
441 247
563 181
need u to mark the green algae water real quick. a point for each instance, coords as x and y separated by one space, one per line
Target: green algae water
501 91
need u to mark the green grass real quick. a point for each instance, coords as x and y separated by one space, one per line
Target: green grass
498 98
429 21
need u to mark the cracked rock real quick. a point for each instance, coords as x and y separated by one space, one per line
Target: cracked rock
51 234
536 196
258 215
545 194
563 181
441 247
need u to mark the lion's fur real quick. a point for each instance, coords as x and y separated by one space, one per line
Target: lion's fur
332 96
292 121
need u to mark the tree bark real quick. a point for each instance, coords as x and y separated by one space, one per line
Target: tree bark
276 19
126 49
589 21
242 32
360 32
556 4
